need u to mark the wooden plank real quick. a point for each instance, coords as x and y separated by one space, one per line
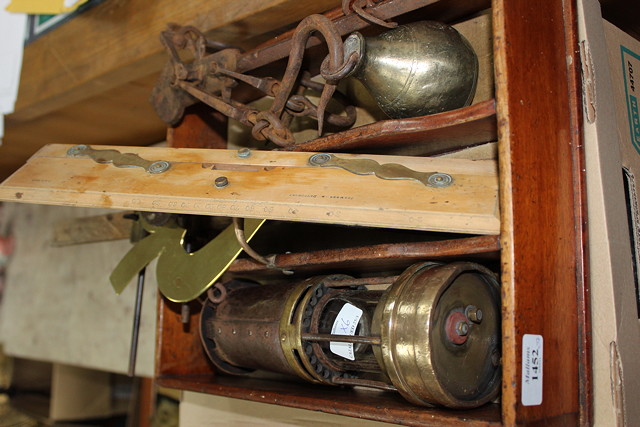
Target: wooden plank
179 350
117 42
542 238
273 185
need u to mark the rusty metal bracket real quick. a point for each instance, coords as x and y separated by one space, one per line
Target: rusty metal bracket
206 76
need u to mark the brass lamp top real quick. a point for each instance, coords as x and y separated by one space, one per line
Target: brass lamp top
423 363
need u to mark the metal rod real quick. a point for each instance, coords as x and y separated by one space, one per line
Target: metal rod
133 350
338 283
345 24
365 383
356 339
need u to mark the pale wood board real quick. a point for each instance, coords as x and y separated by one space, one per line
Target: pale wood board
197 409
58 305
272 185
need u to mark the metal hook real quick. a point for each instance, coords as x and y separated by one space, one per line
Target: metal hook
269 262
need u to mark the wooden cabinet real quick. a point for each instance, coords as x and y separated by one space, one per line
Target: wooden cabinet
540 251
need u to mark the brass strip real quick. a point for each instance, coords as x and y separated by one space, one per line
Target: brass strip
382 171
119 159
181 276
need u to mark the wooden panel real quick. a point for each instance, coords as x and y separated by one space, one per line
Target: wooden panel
178 347
117 42
201 127
58 304
273 185
541 199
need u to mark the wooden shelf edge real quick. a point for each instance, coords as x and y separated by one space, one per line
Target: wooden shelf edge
358 403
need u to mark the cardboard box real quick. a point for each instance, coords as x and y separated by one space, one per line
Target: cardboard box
612 168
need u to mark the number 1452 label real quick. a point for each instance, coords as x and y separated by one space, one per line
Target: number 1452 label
532 346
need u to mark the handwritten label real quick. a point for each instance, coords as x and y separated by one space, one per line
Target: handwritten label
532 346
345 324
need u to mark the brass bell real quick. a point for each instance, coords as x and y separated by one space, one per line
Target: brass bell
416 69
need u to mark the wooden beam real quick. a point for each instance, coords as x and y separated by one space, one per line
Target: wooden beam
267 184
117 42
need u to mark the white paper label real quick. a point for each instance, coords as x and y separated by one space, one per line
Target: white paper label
345 324
532 369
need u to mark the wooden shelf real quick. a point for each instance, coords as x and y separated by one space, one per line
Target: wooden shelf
536 116
360 403
181 361
542 241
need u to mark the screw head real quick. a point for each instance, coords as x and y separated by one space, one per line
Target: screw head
244 152
319 159
159 167
76 150
440 180
221 182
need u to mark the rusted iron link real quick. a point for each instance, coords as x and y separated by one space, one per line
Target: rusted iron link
306 28
237 111
301 106
217 293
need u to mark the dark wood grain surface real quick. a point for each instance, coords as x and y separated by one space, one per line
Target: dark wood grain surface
541 192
